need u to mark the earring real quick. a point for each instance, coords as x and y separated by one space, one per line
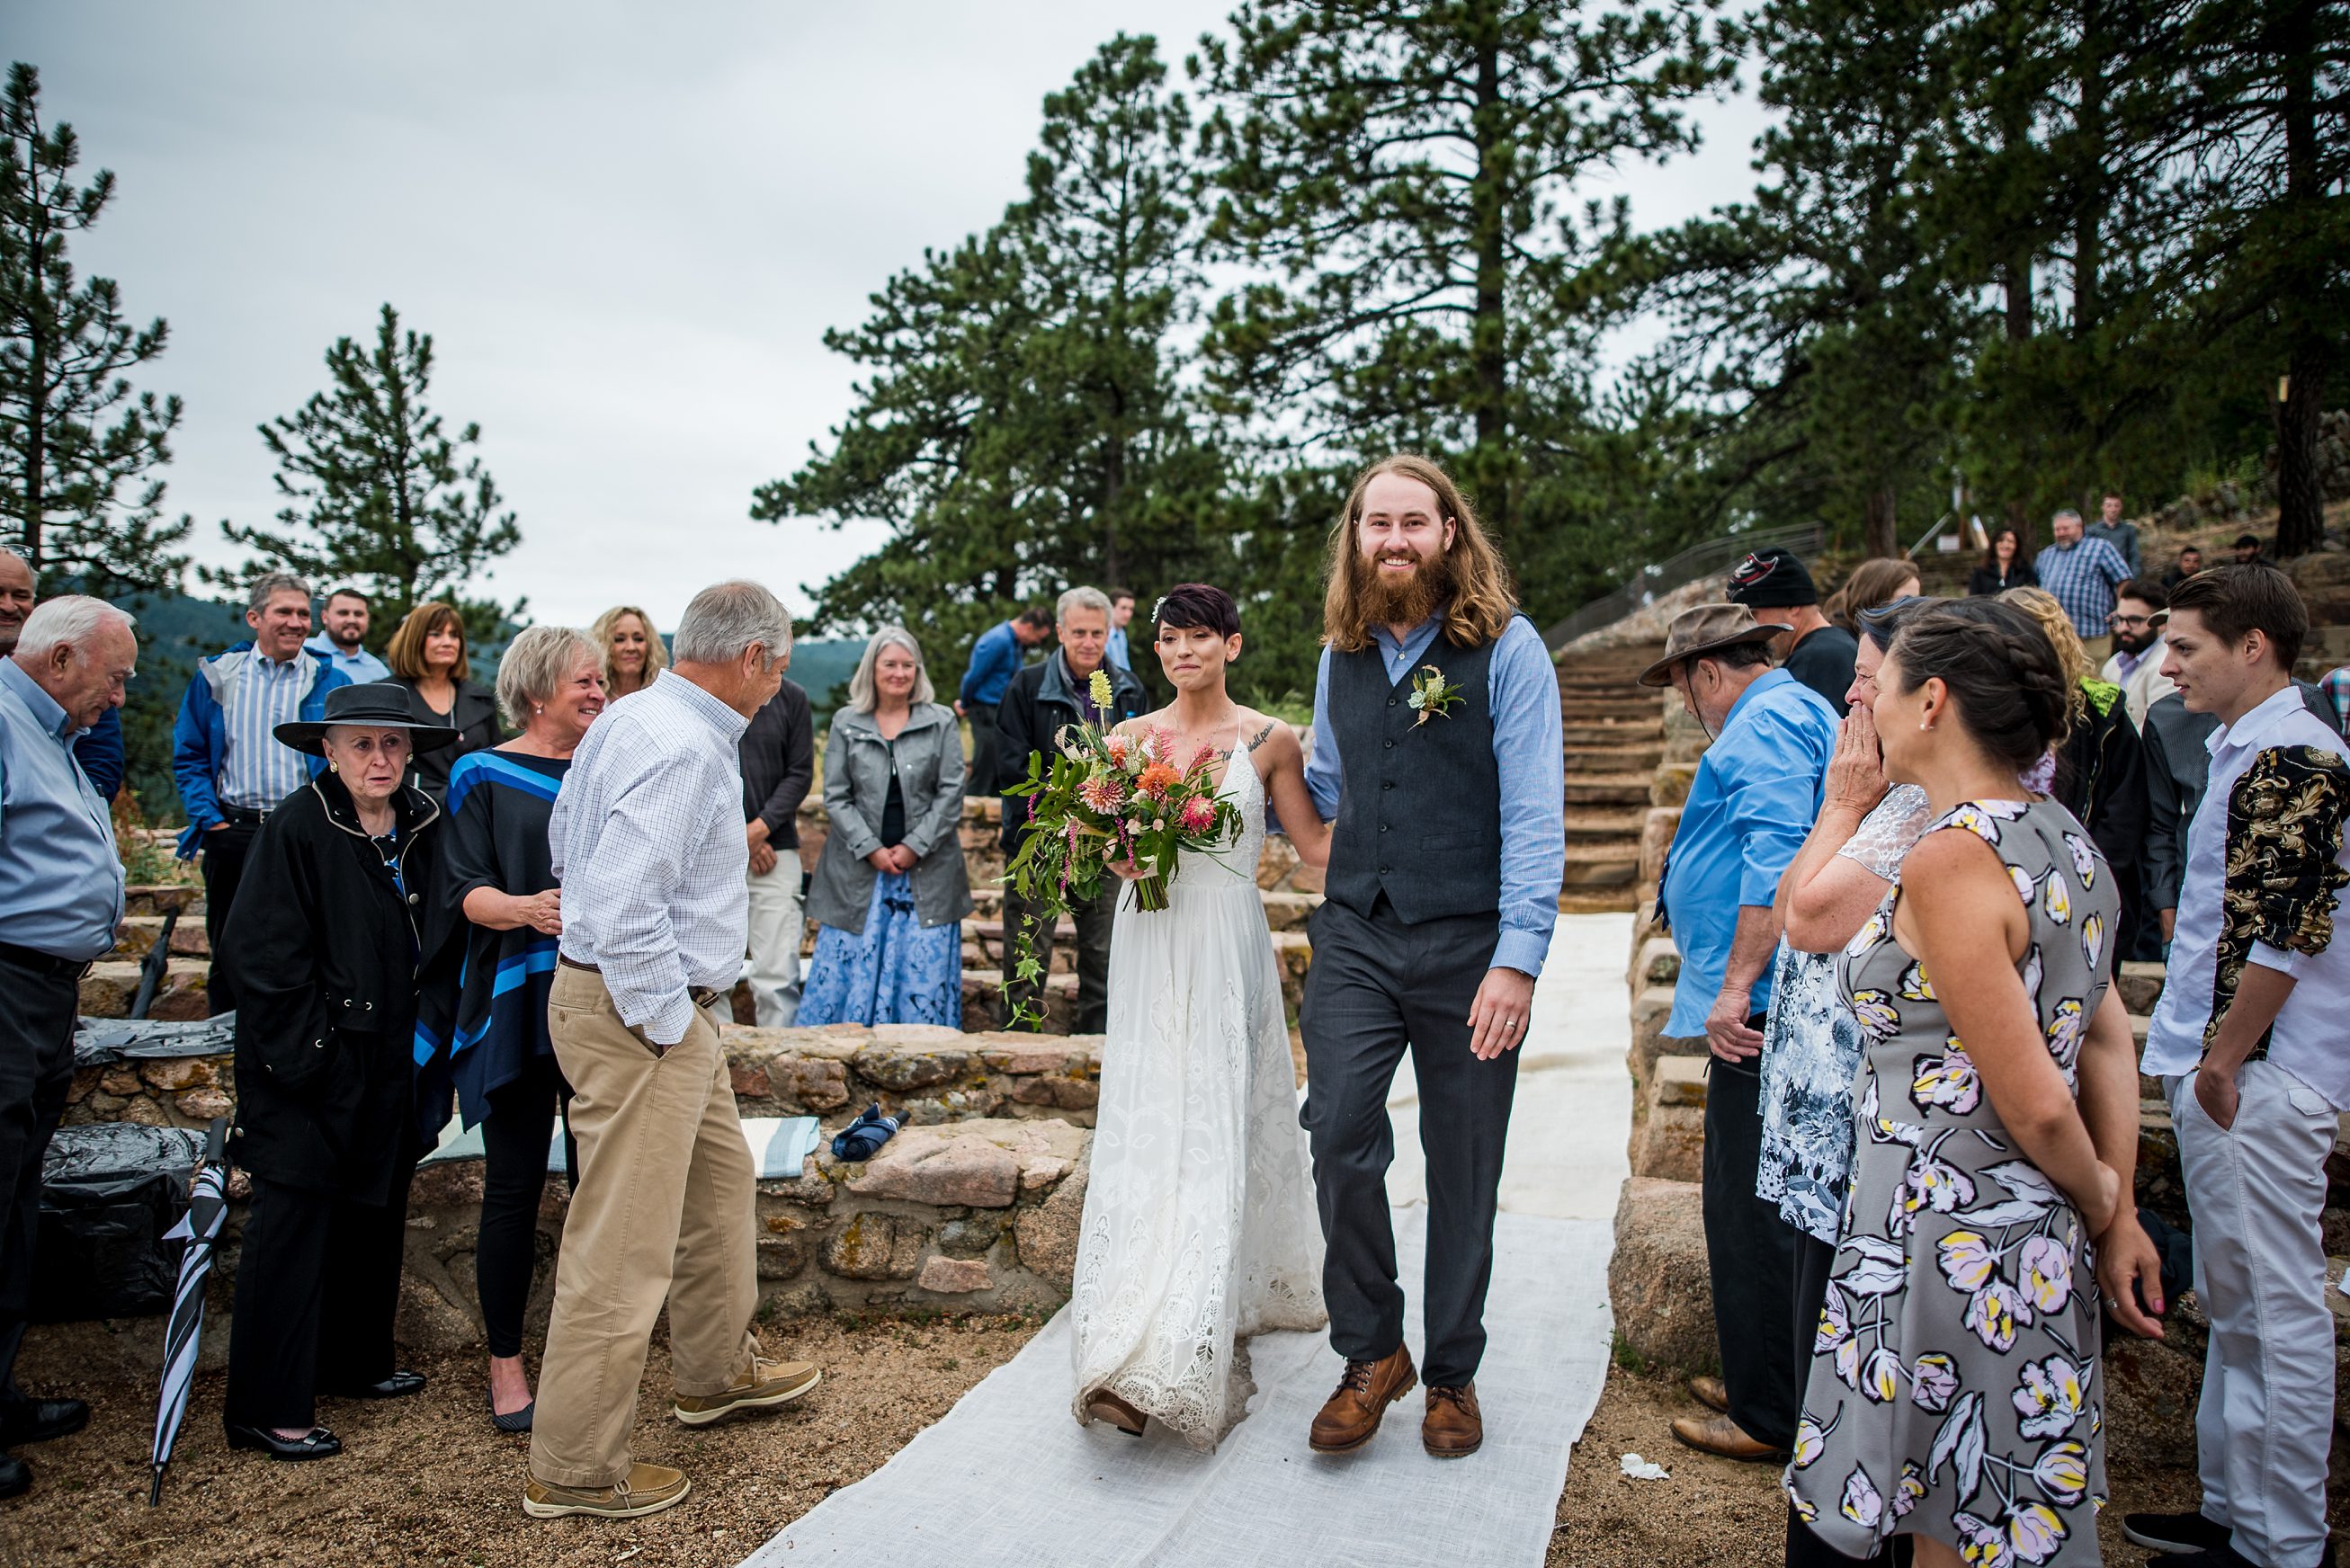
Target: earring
334 767
1925 724
538 706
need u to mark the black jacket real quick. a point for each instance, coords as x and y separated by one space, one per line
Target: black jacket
779 756
1040 699
475 711
327 950
1986 579
2101 778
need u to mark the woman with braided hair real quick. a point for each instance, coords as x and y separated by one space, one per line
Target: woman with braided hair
1955 1392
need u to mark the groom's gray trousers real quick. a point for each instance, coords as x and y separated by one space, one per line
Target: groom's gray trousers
1376 988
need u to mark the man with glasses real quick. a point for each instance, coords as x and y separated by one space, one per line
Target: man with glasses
2139 610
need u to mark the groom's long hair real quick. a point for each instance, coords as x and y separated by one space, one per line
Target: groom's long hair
1479 599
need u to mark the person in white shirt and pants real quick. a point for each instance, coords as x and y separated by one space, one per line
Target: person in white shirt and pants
2247 1041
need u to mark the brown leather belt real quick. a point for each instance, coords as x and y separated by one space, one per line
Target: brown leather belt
700 995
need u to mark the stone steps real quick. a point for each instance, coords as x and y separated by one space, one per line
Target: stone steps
1604 824
1614 733
1615 760
1607 789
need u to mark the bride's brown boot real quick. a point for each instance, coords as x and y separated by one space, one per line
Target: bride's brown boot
1351 1417
1104 1405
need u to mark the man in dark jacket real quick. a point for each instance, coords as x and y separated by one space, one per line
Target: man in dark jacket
779 756
1039 701
1772 583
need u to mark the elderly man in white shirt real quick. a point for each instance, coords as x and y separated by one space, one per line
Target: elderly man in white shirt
647 840
2248 1042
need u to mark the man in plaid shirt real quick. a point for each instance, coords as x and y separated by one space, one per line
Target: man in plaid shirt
2084 575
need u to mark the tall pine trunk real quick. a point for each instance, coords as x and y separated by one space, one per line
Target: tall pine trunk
1489 328
2301 499
1879 536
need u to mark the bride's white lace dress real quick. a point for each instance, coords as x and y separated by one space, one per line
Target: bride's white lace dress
1200 1228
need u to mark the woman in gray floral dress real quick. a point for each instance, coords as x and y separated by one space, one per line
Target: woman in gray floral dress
1955 1394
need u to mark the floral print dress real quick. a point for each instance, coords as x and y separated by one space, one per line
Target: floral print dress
1955 1390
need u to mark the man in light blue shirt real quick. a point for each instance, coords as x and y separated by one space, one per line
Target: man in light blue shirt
1122 615
60 899
1756 793
343 641
1437 762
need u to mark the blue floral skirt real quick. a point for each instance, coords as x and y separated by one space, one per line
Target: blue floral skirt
898 972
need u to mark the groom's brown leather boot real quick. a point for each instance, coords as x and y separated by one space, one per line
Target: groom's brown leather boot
1351 1417
1452 1429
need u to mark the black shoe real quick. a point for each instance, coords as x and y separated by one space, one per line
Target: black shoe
519 1421
2175 1532
317 1443
38 1420
16 1476
398 1386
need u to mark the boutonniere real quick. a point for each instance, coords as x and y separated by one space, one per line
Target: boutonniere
1433 696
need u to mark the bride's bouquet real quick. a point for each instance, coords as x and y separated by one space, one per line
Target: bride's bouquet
1106 800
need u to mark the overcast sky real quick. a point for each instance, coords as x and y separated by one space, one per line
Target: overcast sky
626 227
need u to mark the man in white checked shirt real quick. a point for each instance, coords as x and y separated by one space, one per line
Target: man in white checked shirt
647 840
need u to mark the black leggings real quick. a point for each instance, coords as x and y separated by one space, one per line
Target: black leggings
514 1138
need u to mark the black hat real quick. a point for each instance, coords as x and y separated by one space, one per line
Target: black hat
1771 578
378 705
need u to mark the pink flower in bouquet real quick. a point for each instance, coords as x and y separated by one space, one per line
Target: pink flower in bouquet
1119 747
1103 792
1199 813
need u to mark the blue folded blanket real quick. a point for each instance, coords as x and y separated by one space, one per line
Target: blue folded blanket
862 1138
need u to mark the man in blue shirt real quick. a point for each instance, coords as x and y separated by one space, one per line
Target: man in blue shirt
2085 574
995 659
343 641
60 899
1756 793
1122 615
99 750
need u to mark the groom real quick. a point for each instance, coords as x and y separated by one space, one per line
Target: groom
1436 758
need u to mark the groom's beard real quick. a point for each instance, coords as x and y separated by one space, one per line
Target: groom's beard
1389 602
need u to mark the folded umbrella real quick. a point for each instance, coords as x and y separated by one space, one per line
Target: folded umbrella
863 1138
199 1228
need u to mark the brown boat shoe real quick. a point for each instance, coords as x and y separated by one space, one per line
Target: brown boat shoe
1351 1415
1720 1435
649 1489
1453 1428
769 1383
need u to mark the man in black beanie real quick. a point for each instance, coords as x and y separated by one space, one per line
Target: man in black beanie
1773 584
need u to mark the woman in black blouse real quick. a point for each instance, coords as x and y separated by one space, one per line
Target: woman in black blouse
490 1041
429 659
2003 567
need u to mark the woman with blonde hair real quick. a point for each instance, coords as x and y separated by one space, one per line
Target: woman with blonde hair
633 650
891 888
2099 773
429 660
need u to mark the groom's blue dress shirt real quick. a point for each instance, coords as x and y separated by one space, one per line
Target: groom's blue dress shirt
1750 808
1521 689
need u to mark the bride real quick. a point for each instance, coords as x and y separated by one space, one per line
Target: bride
1200 1228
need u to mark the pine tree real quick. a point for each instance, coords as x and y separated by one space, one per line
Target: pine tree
1403 174
74 435
377 492
1021 429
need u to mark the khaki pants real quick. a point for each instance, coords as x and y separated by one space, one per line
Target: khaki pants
777 929
664 1210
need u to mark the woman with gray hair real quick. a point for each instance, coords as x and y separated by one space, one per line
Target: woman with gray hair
891 888
484 1037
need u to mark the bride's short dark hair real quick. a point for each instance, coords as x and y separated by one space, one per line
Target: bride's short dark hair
1198 605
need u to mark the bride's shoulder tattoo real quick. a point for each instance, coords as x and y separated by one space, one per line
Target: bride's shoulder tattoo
1258 739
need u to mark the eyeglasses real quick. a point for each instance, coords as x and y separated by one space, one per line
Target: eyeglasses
2129 622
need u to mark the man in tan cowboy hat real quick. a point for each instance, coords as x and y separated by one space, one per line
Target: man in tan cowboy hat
1756 791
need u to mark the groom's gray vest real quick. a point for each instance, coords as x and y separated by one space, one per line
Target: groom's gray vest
1420 813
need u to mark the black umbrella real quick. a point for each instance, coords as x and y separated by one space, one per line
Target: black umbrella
199 1228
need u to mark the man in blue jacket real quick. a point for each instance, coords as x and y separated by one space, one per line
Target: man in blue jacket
99 750
1756 793
995 659
232 768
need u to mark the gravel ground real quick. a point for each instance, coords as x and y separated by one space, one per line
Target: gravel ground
425 1480
1731 1515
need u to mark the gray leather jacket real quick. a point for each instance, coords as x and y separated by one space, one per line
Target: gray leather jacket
927 756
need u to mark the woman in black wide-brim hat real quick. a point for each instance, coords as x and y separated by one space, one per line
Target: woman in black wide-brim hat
332 927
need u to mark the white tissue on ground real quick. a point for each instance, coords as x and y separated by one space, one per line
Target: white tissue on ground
1638 1469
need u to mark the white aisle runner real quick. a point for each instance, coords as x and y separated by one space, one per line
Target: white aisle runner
1009 1479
